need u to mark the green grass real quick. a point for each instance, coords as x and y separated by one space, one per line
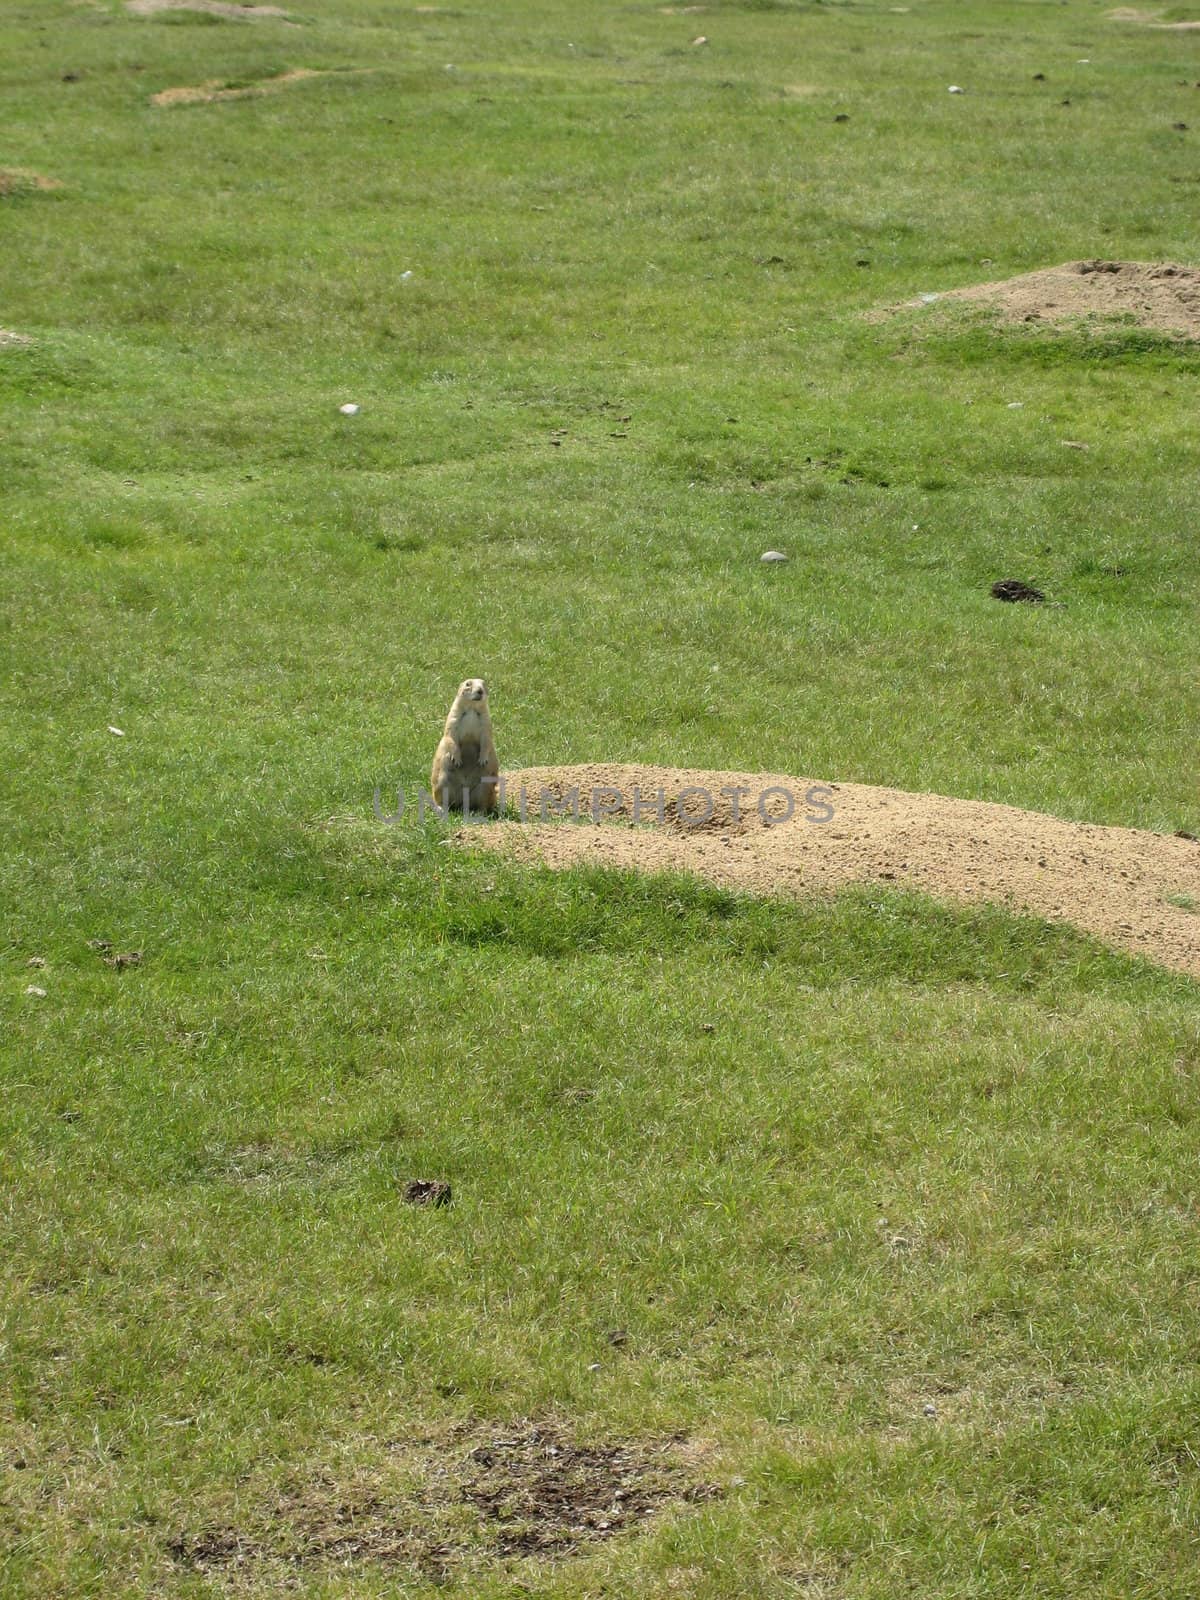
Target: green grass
827 1164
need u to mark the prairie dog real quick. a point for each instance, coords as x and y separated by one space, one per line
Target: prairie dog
466 773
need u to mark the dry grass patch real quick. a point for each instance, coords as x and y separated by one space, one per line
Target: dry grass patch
21 180
430 1504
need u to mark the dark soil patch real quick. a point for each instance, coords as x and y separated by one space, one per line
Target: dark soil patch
476 1493
1013 589
542 1494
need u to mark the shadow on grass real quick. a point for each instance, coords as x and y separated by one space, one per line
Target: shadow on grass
864 934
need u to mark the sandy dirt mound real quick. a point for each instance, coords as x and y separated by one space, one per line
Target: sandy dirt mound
1156 294
9 338
214 8
1151 19
202 94
1116 883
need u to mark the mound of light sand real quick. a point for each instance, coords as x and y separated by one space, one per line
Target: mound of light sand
205 93
8 337
214 8
1155 294
1116 883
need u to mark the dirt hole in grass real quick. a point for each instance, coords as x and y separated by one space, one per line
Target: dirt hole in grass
478 1492
1015 590
1110 882
1159 295
211 8
215 89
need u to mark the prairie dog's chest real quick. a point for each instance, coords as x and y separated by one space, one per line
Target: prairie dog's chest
471 732
470 726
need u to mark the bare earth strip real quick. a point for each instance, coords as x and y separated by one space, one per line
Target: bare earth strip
214 8
1150 19
205 93
16 180
1116 883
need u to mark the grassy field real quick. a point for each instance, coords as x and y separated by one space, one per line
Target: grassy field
883 1214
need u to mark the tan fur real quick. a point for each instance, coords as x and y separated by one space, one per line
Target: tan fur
465 764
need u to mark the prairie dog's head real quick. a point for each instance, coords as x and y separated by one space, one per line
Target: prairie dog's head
472 694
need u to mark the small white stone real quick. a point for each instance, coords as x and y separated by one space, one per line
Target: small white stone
954 89
120 732
928 299
929 1410
350 410
39 994
405 275
772 555
1016 405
